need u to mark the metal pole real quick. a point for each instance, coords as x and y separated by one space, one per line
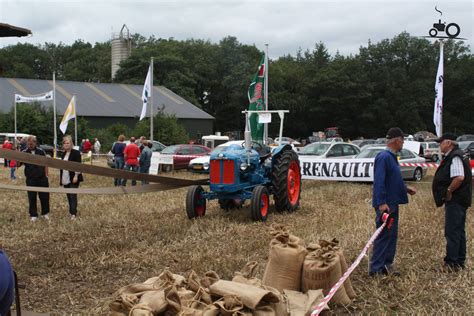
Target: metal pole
151 99
55 141
75 119
441 46
265 127
14 114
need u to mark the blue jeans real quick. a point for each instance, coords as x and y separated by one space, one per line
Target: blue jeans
385 246
130 168
12 173
146 170
455 234
119 163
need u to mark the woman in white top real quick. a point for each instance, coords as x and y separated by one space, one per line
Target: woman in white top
70 179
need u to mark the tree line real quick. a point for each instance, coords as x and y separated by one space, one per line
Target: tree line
389 83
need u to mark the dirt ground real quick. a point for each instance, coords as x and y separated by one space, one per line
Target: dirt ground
74 267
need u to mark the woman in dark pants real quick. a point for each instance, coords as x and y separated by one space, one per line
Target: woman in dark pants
70 179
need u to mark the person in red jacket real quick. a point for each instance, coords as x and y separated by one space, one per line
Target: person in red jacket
131 154
6 145
87 146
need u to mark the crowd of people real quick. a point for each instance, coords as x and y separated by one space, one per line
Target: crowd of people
132 156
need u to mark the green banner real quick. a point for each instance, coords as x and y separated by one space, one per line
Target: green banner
256 99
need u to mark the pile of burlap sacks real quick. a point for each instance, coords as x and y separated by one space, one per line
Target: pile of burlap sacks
296 279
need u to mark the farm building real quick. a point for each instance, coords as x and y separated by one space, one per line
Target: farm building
103 104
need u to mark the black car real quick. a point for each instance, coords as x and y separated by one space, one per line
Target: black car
468 148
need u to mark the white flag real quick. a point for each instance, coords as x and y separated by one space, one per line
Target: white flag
69 114
146 93
47 96
438 105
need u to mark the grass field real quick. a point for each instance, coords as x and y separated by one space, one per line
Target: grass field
74 267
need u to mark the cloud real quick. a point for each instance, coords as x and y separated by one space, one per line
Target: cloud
286 26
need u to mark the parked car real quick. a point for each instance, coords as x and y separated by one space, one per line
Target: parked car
363 142
468 148
466 137
157 147
330 149
405 156
182 154
201 164
334 139
381 140
286 140
431 150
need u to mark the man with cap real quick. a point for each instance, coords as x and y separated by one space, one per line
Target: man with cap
452 187
389 191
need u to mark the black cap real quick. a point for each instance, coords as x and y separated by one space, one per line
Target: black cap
394 132
450 136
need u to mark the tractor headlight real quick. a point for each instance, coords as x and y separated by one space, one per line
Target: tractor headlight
244 166
205 165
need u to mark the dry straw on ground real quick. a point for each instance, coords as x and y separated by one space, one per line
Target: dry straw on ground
74 267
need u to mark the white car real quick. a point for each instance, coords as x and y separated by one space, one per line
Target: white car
286 140
201 164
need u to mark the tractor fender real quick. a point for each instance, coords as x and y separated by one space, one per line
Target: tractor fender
279 150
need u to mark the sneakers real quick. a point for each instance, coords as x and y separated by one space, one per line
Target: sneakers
45 217
449 268
33 219
386 271
73 217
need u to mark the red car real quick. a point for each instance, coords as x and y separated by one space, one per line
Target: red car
182 154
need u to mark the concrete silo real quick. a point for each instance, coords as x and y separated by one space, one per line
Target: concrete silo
121 48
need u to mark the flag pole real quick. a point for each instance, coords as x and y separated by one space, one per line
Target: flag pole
151 99
14 114
441 47
55 141
265 129
75 119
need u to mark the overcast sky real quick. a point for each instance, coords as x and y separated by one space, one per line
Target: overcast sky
286 26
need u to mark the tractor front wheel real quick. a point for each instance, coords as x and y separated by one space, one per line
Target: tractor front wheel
286 181
195 202
259 203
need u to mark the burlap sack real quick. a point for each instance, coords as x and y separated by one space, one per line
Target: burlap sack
334 243
141 310
322 271
251 296
209 278
173 302
201 299
185 296
247 275
229 305
301 304
154 300
210 310
285 261
193 282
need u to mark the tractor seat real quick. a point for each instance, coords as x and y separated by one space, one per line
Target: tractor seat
264 153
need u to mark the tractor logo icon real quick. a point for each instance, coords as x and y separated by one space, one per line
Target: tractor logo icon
452 30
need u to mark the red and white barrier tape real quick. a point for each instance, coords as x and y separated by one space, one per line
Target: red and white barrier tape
408 164
346 274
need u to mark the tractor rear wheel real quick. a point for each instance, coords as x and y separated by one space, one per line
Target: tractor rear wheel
286 181
259 203
195 202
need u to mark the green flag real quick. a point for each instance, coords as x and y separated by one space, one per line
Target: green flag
256 99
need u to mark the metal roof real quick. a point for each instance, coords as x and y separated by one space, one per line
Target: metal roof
100 99
7 30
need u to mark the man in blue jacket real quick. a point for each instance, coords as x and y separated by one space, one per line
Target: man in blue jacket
6 284
388 192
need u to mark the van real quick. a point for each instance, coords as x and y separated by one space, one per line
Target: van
431 151
212 141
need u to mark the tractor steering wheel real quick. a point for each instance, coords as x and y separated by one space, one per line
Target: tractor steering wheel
255 145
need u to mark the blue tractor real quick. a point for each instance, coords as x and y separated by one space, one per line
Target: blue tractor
250 171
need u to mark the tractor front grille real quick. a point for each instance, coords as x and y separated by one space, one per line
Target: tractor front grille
222 171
